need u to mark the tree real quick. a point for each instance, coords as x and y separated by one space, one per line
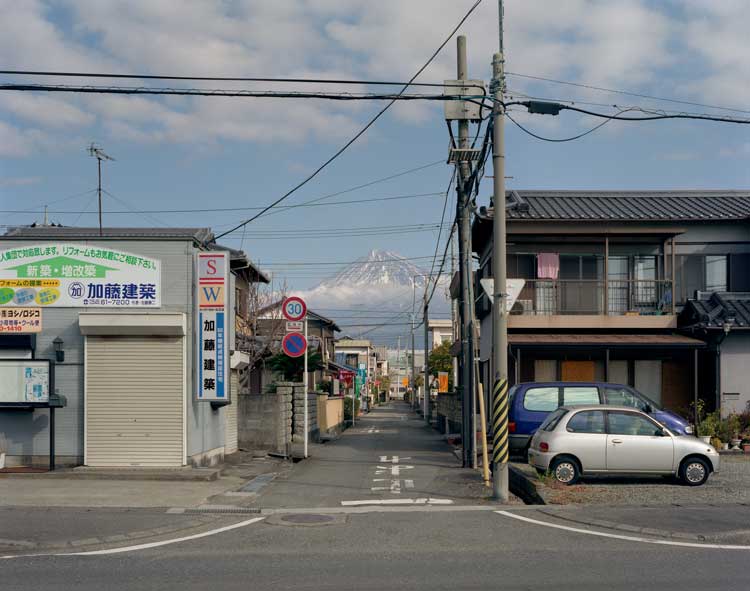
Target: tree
441 360
293 367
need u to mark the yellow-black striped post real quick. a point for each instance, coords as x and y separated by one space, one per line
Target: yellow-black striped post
500 422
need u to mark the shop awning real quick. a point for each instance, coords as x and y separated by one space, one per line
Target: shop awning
611 341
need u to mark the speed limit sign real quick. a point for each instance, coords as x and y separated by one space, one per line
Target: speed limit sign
294 308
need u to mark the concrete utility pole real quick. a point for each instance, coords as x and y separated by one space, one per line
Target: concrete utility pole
426 363
413 374
499 313
464 264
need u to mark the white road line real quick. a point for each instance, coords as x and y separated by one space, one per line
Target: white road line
624 537
409 483
397 502
124 549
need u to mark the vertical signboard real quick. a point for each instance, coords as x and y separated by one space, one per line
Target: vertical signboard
213 326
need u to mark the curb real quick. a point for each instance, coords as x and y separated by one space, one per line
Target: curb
205 475
523 487
650 531
10 546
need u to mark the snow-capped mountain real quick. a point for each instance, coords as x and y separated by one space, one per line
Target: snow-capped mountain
376 289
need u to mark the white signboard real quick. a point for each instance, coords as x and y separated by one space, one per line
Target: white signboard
24 381
514 287
78 276
20 320
294 326
213 326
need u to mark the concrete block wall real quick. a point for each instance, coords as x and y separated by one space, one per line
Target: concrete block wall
298 421
449 407
264 421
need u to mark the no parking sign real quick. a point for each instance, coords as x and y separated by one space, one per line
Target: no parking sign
294 344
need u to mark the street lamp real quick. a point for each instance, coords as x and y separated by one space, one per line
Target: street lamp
57 343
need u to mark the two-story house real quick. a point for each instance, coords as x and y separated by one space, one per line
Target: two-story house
605 275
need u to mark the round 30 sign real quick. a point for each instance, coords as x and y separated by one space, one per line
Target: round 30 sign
294 344
294 308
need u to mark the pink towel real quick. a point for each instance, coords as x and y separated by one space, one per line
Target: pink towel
547 265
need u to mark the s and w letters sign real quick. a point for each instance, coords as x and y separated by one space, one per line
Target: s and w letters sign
212 356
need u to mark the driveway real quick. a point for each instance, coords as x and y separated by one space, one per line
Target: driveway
730 485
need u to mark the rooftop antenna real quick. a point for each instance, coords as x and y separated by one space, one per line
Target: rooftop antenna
96 152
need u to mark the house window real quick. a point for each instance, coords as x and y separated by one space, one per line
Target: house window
700 273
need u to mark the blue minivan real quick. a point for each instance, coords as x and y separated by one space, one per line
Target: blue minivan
531 402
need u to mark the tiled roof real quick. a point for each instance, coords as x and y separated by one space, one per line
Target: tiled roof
628 205
713 310
70 232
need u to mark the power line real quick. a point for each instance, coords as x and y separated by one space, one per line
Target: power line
365 128
34 73
442 218
229 93
235 209
555 140
626 92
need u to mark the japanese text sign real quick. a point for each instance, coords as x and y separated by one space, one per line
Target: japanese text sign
20 320
78 276
212 270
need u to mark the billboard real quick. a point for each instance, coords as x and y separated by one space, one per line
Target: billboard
61 275
212 270
24 381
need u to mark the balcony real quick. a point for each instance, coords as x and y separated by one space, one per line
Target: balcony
595 303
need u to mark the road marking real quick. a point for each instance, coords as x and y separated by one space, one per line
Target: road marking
624 537
397 502
146 546
409 483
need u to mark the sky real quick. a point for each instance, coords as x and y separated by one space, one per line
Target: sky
205 153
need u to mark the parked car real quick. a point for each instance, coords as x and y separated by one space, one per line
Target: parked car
596 439
531 403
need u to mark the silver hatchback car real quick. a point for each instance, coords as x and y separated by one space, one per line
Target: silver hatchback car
578 440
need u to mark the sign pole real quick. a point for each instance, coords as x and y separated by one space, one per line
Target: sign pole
306 396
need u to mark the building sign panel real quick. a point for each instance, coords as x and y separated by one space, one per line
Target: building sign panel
65 275
212 270
20 320
24 381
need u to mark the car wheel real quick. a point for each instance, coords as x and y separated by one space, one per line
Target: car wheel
694 471
565 470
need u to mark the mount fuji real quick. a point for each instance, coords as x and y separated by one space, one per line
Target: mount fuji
374 295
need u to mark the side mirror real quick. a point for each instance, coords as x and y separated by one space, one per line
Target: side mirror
648 409
661 432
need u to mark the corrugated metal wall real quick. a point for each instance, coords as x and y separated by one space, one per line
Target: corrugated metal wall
134 405
230 414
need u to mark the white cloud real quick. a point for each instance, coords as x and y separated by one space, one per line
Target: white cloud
19 181
608 42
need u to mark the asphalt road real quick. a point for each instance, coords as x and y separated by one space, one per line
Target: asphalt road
306 538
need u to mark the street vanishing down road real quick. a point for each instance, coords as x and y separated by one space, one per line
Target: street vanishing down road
386 505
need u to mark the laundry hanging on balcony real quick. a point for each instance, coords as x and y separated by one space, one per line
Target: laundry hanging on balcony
547 265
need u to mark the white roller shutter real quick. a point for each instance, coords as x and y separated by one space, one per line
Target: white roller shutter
134 401
230 427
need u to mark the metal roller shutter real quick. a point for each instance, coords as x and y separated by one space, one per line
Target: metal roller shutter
134 401
230 428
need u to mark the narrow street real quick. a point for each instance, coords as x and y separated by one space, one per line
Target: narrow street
390 455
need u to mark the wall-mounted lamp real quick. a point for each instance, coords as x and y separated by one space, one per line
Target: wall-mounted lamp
59 353
728 323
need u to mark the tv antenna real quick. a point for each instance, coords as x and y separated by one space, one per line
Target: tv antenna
96 152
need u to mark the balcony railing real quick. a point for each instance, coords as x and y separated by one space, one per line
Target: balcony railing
546 297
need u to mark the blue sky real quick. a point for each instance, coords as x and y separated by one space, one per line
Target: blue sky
211 152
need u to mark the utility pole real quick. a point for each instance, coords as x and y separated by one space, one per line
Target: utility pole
398 366
464 264
425 318
413 374
499 313
99 154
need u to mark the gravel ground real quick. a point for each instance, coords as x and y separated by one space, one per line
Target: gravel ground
730 485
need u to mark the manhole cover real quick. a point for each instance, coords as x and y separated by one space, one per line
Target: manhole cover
307 518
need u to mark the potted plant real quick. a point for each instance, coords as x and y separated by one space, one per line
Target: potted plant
734 426
708 427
